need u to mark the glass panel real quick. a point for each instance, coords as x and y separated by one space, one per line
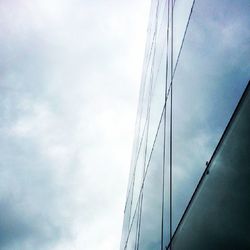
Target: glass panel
126 220
151 67
157 103
146 82
151 217
210 77
154 12
143 111
166 227
181 13
158 77
138 177
218 217
162 14
131 240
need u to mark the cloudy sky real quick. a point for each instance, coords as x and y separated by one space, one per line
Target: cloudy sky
70 73
211 75
69 82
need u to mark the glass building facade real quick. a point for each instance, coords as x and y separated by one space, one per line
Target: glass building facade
196 67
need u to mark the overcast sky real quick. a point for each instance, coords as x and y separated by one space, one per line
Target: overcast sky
69 82
70 73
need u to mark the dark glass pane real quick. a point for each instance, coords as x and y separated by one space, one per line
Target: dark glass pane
219 217
211 75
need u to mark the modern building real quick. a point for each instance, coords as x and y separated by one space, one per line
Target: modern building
189 183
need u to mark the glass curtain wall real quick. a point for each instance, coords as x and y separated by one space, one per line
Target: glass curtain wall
196 67
218 214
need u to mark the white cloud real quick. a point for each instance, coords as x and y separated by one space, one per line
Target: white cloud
71 76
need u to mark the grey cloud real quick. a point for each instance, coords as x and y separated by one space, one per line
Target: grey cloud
69 74
18 227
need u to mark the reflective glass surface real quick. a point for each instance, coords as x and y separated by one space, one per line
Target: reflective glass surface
218 217
189 90
150 227
130 241
181 12
211 75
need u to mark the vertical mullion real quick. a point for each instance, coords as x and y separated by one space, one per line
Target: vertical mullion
171 131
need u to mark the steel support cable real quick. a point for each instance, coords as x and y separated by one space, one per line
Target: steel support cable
164 140
171 131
